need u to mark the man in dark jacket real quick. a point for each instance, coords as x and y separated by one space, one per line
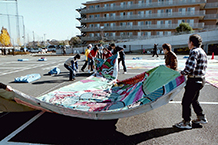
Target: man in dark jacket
120 50
3 86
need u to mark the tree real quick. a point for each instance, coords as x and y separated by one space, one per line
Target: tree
75 41
5 37
184 27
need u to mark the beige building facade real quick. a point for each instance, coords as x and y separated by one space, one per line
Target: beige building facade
120 20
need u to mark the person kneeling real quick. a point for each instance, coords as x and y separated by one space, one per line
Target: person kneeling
72 65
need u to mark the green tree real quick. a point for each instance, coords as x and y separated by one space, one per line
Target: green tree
75 41
184 27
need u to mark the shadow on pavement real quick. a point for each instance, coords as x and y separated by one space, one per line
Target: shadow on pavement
48 82
58 129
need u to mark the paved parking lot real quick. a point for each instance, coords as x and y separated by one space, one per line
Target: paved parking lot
154 127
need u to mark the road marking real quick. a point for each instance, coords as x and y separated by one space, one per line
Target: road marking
205 103
6 139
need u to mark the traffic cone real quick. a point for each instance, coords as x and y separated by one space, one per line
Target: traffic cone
212 56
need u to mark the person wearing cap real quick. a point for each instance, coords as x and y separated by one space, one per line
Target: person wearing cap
171 60
87 51
195 69
72 65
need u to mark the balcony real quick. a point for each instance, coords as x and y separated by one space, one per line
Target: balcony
211 5
211 17
200 14
139 28
145 6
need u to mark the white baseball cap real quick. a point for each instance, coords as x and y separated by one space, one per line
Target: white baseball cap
90 45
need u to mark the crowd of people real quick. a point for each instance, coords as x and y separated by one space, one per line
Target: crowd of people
98 51
195 69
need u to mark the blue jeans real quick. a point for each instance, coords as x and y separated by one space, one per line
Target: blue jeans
72 76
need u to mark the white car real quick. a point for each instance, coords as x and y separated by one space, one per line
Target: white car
34 50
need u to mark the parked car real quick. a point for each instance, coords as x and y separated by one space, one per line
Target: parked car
51 48
35 50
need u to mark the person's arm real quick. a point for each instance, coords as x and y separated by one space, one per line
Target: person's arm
7 88
190 64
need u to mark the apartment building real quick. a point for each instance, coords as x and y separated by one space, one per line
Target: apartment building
120 20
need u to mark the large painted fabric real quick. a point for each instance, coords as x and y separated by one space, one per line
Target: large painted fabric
101 96
28 78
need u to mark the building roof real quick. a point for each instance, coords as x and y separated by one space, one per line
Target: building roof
97 1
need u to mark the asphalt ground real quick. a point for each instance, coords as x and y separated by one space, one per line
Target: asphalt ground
154 127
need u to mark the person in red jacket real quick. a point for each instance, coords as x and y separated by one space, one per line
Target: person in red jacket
106 53
91 56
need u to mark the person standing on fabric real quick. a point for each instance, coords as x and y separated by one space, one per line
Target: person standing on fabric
72 65
91 57
195 69
106 53
171 60
100 52
121 55
87 51
6 87
155 50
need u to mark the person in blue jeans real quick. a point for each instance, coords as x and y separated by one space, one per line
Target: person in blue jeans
72 65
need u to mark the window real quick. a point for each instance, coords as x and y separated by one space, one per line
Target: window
141 13
113 14
191 22
160 22
160 33
141 33
129 13
91 7
113 4
123 24
160 12
91 25
147 23
97 25
129 23
106 34
169 11
148 2
106 5
122 14
91 35
167 33
148 34
97 34
106 24
122 4
160 2
168 23
97 15
129 3
148 13
91 16
107 15
181 21
140 2
113 34
141 23
169 1
97 6
191 10
129 33
122 33
113 24
182 11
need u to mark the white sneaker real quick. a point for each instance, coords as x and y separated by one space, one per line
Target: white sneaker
184 125
201 120
125 72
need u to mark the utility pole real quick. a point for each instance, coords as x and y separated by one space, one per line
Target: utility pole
18 27
33 40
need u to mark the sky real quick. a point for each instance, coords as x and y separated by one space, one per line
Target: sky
43 19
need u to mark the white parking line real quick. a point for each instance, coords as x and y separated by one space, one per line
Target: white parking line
6 139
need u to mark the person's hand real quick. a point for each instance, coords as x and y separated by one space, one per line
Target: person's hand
8 88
